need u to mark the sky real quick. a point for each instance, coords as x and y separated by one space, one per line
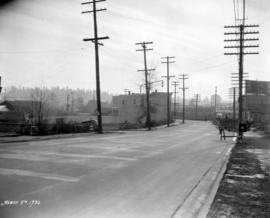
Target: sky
41 43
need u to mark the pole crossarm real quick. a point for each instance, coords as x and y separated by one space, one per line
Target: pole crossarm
169 62
238 26
238 33
102 9
235 81
143 43
146 70
167 76
238 40
95 1
246 46
158 81
238 74
237 77
244 53
168 57
94 39
148 49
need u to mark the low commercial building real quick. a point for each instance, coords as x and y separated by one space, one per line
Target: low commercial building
257 102
131 108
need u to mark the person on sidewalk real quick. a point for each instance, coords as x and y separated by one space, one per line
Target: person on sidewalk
221 130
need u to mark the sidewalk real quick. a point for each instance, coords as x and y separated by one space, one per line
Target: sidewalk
26 138
244 190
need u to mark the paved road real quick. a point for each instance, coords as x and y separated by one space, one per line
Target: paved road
130 175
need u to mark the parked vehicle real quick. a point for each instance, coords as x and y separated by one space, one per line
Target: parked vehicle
91 125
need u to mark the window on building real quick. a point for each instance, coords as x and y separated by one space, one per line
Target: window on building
123 101
134 101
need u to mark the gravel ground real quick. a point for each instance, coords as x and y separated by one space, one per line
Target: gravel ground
245 188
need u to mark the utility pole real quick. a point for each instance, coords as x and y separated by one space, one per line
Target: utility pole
235 83
175 84
67 106
168 62
215 101
147 85
72 102
196 103
95 40
241 40
1 85
183 77
234 92
141 88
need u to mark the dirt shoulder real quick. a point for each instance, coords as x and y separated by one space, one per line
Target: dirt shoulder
244 190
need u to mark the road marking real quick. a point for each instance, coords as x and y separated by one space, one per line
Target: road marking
30 157
41 156
15 172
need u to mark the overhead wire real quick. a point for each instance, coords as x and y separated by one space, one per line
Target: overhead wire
234 10
237 11
42 51
213 66
244 11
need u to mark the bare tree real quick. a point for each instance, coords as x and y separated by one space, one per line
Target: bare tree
40 107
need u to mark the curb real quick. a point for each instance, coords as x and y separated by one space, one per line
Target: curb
198 203
64 136
42 138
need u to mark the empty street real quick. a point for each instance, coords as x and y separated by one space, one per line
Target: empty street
123 174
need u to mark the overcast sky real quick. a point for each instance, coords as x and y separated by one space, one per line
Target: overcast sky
41 43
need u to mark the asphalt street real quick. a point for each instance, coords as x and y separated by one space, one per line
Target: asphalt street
133 174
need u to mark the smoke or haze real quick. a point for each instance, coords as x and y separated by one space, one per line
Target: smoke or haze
41 43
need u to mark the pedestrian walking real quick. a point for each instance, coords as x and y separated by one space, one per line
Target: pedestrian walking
221 130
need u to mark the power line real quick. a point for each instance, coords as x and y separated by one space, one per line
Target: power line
234 9
244 11
237 10
43 51
213 66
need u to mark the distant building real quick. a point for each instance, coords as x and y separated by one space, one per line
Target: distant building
218 100
131 108
257 101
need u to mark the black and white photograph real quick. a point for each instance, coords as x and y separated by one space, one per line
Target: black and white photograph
134 109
